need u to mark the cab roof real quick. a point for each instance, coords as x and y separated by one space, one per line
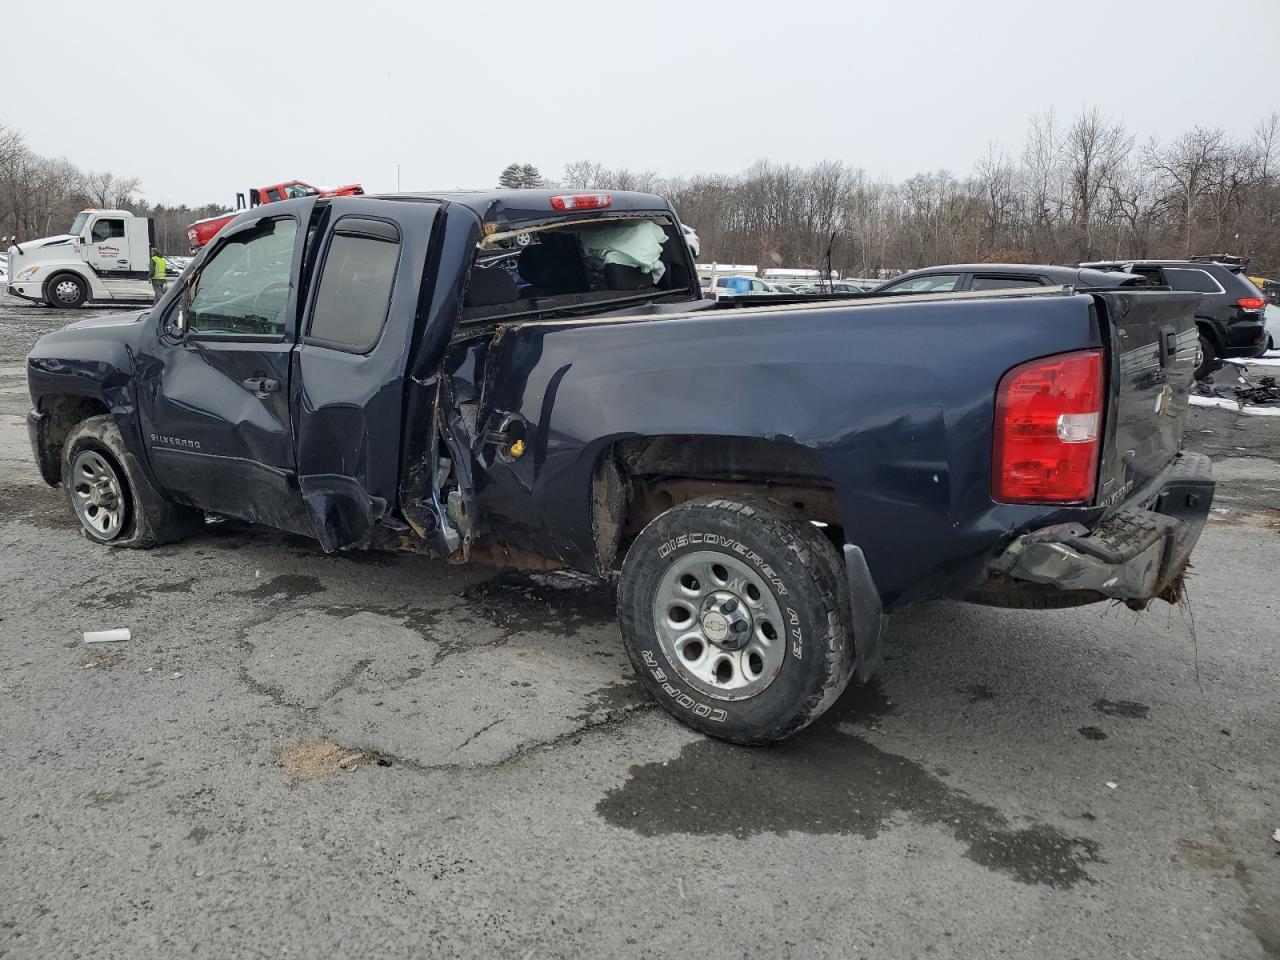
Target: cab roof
517 206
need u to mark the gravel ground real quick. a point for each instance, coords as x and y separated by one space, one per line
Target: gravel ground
302 755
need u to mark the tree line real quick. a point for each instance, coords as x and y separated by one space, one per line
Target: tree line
40 196
1086 189
1083 189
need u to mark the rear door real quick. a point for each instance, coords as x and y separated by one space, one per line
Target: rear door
1153 338
359 329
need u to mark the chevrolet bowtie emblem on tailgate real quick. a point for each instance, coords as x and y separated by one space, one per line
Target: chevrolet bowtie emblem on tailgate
175 442
1163 399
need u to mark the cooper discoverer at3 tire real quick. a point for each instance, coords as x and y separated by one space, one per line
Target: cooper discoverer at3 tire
732 613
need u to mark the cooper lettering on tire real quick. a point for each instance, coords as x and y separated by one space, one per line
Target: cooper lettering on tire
732 611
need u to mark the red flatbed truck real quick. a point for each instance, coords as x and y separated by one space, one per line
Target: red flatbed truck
202 231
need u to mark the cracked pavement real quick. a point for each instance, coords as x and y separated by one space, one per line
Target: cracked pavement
1079 783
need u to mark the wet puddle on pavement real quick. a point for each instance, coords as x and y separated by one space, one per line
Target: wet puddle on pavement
828 781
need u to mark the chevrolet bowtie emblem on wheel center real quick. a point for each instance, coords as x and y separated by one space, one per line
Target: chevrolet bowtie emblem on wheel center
715 627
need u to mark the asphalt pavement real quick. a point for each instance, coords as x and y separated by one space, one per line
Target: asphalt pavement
367 755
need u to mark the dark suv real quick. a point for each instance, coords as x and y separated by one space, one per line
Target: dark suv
1230 313
1002 276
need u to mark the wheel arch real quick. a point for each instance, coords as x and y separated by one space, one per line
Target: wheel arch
1208 328
67 271
637 478
60 414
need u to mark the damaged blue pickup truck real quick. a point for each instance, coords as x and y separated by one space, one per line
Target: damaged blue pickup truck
531 379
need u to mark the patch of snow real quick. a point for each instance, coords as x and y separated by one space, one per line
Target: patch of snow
1271 359
1221 402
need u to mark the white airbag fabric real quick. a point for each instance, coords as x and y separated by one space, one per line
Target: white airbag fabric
634 243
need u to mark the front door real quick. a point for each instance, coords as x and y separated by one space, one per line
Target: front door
214 378
107 251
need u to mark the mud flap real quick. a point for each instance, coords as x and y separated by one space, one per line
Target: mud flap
866 615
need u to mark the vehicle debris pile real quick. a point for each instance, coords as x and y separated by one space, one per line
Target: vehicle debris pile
1265 391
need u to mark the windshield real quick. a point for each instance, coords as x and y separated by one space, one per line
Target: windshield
78 223
294 190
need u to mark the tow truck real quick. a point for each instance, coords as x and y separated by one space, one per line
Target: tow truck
105 256
202 231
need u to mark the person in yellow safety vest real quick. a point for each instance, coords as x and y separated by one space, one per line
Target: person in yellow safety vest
158 270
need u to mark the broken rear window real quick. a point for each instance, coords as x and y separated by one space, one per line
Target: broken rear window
578 264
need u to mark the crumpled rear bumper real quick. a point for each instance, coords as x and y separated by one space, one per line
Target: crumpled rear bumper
1135 555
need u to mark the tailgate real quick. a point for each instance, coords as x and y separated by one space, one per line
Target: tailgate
1154 340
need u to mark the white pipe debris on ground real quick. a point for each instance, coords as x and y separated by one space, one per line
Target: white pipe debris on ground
1271 359
106 636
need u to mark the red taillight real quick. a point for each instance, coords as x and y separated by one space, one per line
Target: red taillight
1254 304
1048 430
581 201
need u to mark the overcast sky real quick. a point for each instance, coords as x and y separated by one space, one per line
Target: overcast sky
200 101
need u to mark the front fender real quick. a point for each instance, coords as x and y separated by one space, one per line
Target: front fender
82 370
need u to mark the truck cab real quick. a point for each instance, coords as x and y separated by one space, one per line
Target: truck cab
105 256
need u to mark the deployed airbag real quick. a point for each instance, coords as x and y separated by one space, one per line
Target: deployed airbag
633 243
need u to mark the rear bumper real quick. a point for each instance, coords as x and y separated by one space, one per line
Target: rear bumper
1245 338
1136 555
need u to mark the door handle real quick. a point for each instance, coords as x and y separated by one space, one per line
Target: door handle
1168 345
263 387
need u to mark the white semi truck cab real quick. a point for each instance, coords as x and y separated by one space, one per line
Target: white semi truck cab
105 256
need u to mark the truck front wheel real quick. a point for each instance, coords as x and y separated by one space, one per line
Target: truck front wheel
103 496
66 290
732 614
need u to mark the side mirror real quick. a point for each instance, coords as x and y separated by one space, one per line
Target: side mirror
176 322
175 325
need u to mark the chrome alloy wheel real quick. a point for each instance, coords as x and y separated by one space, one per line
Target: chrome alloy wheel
719 625
98 495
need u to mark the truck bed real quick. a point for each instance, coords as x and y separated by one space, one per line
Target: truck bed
893 398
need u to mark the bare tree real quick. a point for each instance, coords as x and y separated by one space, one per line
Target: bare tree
1092 153
1184 170
106 190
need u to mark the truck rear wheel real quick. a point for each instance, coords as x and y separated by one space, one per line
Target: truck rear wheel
66 290
1206 358
732 614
